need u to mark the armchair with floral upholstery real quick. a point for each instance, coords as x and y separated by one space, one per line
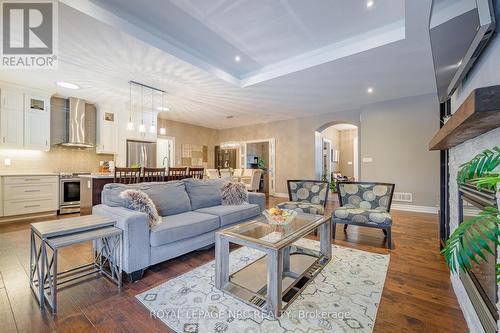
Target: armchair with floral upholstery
306 196
364 204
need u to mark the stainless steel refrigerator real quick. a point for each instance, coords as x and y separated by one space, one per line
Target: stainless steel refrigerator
141 153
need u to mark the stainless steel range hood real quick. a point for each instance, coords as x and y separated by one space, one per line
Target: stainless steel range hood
73 123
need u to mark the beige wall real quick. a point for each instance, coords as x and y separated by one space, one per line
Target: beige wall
295 142
190 134
394 134
332 134
58 159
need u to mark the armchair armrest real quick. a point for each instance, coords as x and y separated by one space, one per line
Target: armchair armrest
135 226
257 198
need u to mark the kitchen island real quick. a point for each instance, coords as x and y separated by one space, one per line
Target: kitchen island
90 190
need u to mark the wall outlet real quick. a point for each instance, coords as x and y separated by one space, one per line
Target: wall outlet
367 159
7 162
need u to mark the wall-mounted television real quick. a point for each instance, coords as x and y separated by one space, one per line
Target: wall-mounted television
459 31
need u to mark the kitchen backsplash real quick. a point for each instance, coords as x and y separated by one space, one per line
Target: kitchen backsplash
58 159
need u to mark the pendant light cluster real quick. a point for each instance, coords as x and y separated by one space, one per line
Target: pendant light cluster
148 90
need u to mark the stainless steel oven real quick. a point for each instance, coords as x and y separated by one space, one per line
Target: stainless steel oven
69 193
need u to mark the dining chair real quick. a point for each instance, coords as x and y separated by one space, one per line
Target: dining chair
225 173
213 173
253 183
153 174
127 175
196 173
177 173
237 174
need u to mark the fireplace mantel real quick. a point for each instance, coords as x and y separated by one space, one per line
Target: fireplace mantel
479 114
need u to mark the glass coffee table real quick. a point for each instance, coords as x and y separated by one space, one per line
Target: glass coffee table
272 282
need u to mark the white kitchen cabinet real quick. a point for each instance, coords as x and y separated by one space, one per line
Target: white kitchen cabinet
29 194
36 122
11 118
107 132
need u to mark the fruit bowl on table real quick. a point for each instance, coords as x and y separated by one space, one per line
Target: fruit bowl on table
279 216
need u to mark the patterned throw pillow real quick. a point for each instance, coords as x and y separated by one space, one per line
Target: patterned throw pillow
140 201
234 194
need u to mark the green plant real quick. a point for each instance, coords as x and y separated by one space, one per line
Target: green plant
482 166
469 241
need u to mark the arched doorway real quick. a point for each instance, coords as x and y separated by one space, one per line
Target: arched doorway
337 151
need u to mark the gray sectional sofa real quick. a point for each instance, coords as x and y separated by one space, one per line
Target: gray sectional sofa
192 211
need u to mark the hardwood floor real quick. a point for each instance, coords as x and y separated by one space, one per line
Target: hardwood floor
417 297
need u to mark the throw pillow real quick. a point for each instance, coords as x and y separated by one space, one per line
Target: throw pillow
140 201
234 194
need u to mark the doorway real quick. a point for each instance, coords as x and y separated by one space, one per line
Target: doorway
337 152
165 152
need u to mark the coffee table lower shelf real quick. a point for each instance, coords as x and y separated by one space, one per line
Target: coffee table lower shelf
249 284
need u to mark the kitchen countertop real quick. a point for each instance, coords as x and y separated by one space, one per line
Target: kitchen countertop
20 174
98 175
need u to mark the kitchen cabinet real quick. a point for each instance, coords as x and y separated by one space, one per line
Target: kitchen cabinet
107 132
11 118
36 122
24 119
29 194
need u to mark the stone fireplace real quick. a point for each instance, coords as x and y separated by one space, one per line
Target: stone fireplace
462 284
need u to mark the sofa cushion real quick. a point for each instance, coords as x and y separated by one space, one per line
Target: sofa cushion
204 193
170 198
182 226
231 214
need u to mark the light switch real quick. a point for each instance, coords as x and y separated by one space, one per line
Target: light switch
367 159
7 162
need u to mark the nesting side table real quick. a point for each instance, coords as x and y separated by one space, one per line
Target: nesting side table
48 237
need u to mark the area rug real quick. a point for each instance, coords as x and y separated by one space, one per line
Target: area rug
344 297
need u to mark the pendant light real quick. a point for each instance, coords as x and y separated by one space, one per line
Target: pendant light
152 129
163 131
142 128
130 124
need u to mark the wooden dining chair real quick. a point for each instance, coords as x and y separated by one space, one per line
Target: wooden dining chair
177 173
197 173
153 174
127 175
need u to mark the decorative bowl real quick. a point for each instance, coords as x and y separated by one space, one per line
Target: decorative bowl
279 216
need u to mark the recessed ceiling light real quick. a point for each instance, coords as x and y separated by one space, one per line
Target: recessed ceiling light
369 90
67 85
369 4
237 58
163 108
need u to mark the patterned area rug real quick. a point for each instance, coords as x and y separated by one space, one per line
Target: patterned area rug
344 297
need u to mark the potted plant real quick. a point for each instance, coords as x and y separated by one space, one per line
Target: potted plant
468 242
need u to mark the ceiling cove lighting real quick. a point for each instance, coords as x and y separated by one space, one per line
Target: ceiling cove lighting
67 85
369 4
369 90
237 58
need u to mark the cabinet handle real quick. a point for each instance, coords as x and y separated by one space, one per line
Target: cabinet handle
27 191
3 139
31 206
46 143
31 179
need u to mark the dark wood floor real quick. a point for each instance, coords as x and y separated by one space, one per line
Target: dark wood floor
417 296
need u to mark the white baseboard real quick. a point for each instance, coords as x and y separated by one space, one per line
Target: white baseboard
413 208
280 195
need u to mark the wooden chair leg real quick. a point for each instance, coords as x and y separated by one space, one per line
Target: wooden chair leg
334 227
389 238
